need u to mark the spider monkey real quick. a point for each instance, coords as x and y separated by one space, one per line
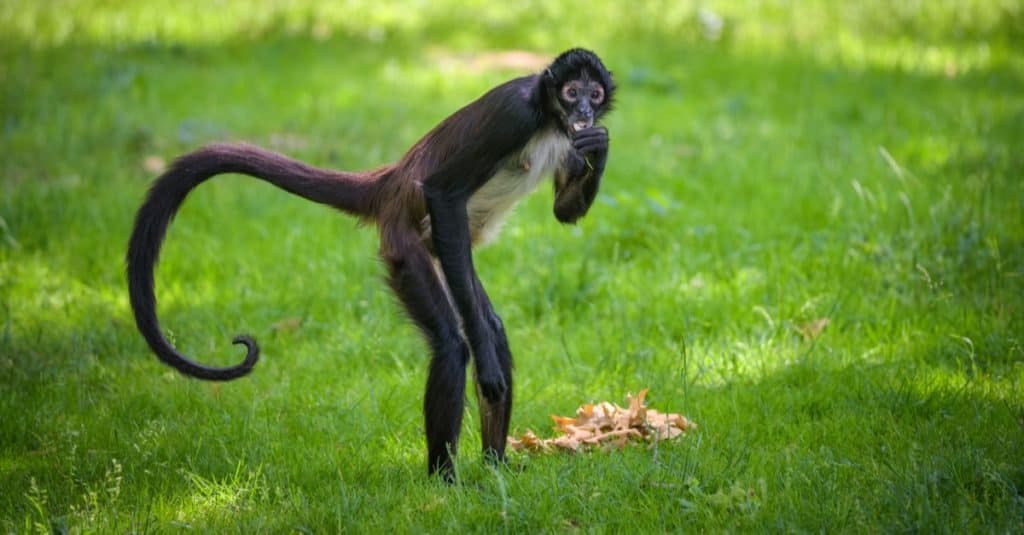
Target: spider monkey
448 193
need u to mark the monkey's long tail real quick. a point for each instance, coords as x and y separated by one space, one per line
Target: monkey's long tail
349 192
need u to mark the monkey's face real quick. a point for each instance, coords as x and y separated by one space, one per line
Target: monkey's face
578 89
581 100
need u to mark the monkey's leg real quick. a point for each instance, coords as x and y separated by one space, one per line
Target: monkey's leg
494 417
412 277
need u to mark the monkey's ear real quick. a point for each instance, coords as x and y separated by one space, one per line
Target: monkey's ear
548 79
549 88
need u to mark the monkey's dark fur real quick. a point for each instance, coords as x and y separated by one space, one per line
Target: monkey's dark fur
446 194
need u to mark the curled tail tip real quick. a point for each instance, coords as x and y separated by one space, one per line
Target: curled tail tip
252 354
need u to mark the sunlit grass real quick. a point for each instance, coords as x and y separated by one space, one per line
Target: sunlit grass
945 37
809 241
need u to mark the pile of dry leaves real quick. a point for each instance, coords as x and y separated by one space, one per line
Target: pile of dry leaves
607 424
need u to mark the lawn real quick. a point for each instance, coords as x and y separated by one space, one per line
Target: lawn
809 240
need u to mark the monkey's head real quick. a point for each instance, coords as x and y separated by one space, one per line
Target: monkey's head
578 89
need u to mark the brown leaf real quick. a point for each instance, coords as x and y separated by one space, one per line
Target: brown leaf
566 442
607 425
287 325
528 441
810 331
636 404
561 422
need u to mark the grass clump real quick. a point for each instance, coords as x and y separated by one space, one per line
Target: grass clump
809 241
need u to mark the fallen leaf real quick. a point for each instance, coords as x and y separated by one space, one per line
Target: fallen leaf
606 425
287 325
810 331
527 441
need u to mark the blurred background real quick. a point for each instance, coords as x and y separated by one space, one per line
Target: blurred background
809 239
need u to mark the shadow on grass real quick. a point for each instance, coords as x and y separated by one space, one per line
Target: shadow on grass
843 424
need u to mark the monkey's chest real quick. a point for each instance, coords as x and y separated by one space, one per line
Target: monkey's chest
518 177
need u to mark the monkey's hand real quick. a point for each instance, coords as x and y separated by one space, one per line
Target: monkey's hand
577 183
591 152
491 375
492 382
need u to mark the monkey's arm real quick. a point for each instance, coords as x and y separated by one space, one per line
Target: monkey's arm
450 233
447 192
577 182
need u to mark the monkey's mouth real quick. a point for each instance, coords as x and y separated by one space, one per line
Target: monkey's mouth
580 125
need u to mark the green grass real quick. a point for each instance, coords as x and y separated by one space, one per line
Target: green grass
852 161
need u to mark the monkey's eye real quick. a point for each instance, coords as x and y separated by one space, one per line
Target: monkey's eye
570 93
597 95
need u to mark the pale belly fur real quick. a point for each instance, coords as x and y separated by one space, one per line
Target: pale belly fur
489 205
